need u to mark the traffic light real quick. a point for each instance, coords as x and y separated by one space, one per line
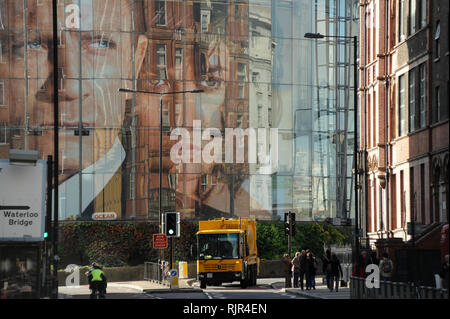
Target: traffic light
172 224
286 224
292 222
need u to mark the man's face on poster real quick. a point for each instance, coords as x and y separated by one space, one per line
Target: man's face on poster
95 60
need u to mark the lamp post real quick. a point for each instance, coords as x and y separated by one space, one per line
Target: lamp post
161 94
355 96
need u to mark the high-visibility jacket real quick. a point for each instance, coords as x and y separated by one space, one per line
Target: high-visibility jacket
97 275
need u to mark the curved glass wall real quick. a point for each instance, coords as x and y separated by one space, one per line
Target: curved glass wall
258 73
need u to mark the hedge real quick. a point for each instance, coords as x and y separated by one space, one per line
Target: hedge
130 243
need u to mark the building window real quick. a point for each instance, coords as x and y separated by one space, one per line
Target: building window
160 12
412 17
165 114
178 63
1 52
423 95
260 110
161 61
422 193
239 121
204 182
205 19
401 21
241 80
401 106
437 41
132 183
422 13
2 93
412 100
269 116
3 133
438 103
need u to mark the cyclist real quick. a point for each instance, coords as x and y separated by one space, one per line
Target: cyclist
97 280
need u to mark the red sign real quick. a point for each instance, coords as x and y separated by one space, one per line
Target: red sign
159 241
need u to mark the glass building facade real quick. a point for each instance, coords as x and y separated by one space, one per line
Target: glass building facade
257 72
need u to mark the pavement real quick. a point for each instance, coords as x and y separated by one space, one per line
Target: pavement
143 286
191 285
321 291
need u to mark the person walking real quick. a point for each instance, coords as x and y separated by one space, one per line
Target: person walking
386 268
303 267
326 267
312 271
336 272
296 268
308 270
287 269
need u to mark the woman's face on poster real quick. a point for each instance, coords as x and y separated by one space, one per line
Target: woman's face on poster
92 66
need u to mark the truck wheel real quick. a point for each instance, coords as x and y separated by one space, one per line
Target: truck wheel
203 284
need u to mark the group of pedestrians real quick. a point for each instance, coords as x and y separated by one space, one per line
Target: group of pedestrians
304 266
385 265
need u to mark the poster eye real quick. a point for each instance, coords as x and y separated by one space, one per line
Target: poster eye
101 44
35 45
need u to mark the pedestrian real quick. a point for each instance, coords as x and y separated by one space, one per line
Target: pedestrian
444 273
336 272
303 268
312 271
373 258
308 270
296 268
326 267
386 268
359 268
287 269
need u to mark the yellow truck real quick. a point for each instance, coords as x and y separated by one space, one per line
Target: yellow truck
227 252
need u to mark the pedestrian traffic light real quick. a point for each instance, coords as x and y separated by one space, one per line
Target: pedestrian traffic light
286 224
292 223
172 224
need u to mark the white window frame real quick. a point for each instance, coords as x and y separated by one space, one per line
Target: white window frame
158 13
2 93
161 52
242 76
423 95
178 63
401 106
412 100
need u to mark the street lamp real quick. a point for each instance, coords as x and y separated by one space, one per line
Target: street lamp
355 96
161 94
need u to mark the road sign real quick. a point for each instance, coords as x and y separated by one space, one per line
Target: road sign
159 241
174 273
22 201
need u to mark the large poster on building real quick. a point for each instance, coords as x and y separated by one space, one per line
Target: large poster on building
110 140
256 77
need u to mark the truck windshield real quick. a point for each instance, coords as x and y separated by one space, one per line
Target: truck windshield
218 246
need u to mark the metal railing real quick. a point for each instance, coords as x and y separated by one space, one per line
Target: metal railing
394 290
157 272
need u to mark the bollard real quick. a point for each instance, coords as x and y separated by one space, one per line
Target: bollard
183 269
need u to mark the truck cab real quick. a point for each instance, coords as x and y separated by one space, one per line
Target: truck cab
226 252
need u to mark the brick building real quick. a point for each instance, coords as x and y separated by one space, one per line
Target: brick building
404 89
